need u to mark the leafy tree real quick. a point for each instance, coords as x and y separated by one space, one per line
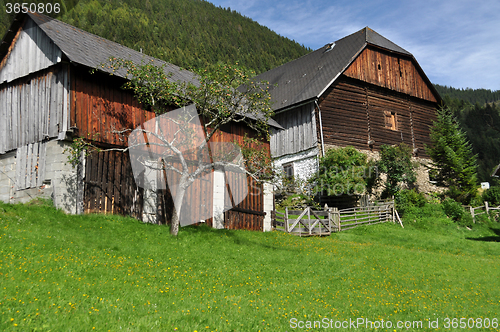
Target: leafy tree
452 157
343 171
222 96
395 162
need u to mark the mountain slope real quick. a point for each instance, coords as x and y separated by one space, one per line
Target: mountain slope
188 33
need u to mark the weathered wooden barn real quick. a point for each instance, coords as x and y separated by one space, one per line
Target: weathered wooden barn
362 90
48 96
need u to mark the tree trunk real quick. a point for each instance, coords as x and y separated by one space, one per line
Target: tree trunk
174 228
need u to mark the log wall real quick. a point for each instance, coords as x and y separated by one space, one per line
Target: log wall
353 114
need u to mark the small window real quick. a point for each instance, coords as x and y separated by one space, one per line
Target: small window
288 169
391 120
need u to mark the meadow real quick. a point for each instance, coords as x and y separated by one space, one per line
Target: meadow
110 273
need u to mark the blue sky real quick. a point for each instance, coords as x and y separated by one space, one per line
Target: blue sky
456 42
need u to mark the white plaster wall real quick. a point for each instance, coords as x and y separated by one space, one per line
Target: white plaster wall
218 197
60 182
305 163
149 210
268 206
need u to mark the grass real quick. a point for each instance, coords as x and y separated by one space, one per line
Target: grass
111 273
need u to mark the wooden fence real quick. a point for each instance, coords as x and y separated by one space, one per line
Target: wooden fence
485 208
309 222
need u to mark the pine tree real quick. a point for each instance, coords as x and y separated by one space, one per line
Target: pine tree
452 157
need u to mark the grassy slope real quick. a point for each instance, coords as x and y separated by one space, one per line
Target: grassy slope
62 272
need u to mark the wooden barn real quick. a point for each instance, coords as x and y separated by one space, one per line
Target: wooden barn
48 96
362 90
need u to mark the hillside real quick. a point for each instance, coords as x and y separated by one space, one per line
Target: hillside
473 96
109 273
188 33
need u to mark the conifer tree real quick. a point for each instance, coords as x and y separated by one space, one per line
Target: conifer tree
452 157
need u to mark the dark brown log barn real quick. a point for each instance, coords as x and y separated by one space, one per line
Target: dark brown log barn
48 97
362 90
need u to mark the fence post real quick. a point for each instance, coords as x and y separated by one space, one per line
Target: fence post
329 220
337 217
487 207
309 219
286 219
472 214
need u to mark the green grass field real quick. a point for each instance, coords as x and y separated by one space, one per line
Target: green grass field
110 273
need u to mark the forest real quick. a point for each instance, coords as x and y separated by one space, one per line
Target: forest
196 34
481 123
189 33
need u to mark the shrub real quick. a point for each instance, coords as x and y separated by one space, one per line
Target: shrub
407 199
492 196
456 212
343 171
296 201
395 161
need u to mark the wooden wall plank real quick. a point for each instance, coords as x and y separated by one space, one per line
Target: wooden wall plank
396 72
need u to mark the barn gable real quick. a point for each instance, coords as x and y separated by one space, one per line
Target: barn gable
391 70
307 78
30 51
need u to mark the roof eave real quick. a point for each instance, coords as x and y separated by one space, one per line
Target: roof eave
342 71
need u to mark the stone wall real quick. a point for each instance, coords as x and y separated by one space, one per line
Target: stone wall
422 184
60 182
305 163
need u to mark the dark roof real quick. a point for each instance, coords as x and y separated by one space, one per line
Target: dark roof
307 77
87 49
90 50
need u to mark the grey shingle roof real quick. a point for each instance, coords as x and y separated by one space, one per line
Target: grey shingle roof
307 77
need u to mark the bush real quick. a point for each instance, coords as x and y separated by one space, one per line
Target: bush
407 199
343 171
395 162
456 212
296 201
492 196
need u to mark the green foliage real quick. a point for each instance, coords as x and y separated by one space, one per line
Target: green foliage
257 157
472 96
482 127
452 156
224 94
456 212
492 196
296 201
407 199
79 148
189 33
395 162
343 171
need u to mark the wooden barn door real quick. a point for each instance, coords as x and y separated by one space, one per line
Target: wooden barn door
249 214
110 186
